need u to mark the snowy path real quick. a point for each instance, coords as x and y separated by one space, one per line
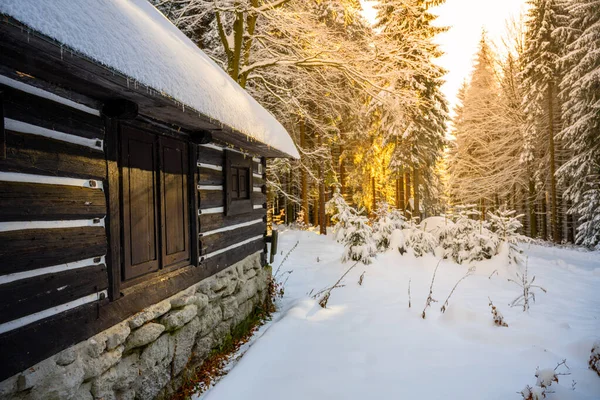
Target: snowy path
368 344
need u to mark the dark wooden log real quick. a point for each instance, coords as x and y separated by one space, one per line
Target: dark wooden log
31 201
209 222
28 296
121 109
201 137
43 156
211 198
210 177
224 260
219 241
207 155
35 342
51 115
29 249
258 198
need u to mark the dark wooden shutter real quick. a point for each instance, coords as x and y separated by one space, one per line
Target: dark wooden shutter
243 183
174 202
140 202
235 183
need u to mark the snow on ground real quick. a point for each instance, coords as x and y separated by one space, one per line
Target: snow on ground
369 345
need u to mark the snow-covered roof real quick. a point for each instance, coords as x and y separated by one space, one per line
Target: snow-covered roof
135 39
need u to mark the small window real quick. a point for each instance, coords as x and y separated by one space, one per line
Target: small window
238 180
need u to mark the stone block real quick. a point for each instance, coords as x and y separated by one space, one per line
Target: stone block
209 319
96 366
157 353
184 342
201 301
175 319
116 335
144 335
62 383
149 314
67 356
96 346
229 306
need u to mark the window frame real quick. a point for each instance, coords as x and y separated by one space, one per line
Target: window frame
235 160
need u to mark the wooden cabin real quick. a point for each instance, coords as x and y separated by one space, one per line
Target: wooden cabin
131 168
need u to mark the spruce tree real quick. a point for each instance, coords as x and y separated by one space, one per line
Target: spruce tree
580 91
541 75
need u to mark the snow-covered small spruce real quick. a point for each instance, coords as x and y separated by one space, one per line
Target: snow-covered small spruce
358 240
386 222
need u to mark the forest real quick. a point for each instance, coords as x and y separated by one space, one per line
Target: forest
363 103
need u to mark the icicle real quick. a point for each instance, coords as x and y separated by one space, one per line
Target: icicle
61 51
127 83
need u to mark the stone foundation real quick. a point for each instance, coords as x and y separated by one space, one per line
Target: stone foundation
146 356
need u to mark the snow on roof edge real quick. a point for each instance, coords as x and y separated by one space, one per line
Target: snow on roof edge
133 38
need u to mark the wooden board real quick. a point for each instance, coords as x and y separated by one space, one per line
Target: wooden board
51 115
209 222
42 156
35 342
29 249
222 261
32 201
28 296
210 177
217 241
211 198
207 155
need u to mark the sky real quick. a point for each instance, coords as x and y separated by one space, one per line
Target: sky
466 18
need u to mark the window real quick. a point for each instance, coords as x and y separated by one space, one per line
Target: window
238 182
154 202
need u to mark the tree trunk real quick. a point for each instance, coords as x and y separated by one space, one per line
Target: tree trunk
322 220
416 211
554 208
545 217
342 172
374 202
407 183
303 177
532 211
400 191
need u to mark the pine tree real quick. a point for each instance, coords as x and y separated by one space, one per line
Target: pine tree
541 75
580 91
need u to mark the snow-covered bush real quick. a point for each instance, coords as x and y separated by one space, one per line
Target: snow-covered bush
595 358
544 380
468 240
358 240
387 221
341 214
506 225
420 242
